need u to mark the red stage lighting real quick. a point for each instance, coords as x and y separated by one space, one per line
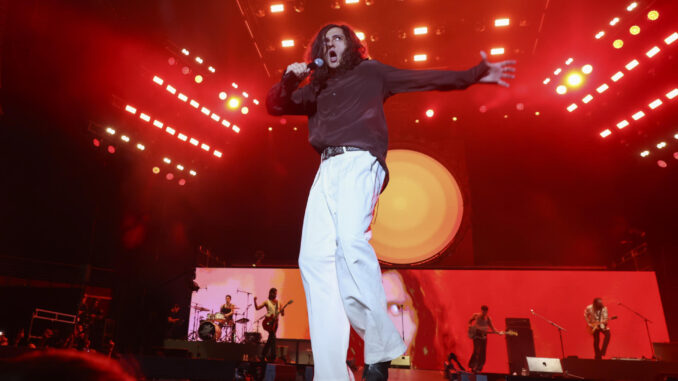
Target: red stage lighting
572 107
194 141
144 117
600 35
171 61
652 15
198 78
215 117
171 89
96 142
496 51
632 6
574 79
501 22
169 176
606 133
185 70
618 44
587 98
182 97
205 110
622 124
430 113
236 129
561 89
182 137
217 153
140 147
670 39
157 123
277 8
155 170
244 110
587 69
652 52
111 149
223 95
634 30
182 182
287 43
420 57
194 103
672 94
614 21
170 130
205 147
661 164
655 103
130 109
157 80
632 64
233 103
617 76
601 89
110 131
638 115
198 60
420 30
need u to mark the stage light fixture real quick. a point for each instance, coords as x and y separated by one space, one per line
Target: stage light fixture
655 103
110 131
277 8
670 39
420 30
587 69
661 164
270 128
287 43
600 35
233 103
618 44
194 103
198 78
226 123
205 110
638 115
124 138
606 133
557 71
631 65
111 150
158 80
430 113
546 81
622 124
245 94
632 6
652 52
223 95
182 137
194 141
141 147
420 57
182 97
96 142
185 70
645 153
561 89
205 147
575 79
361 36
652 15
236 129
661 145
537 113
255 101
245 110
215 117
198 60
501 22
171 89
672 94
587 98
569 61
634 30
211 69
155 170
572 107
185 52
617 76
130 109
601 89
496 51
167 160
614 21
180 167
235 85
170 130
181 182
169 176
144 117
158 123
352 1
217 153
192 172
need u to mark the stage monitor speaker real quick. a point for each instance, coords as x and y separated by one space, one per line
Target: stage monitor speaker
544 365
521 346
401 362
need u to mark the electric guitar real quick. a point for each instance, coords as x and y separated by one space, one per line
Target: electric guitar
474 332
596 325
270 323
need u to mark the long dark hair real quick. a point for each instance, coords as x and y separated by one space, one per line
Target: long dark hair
354 54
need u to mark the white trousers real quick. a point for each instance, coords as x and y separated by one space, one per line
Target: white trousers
339 268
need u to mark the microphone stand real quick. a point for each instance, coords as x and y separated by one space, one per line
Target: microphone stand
560 331
402 320
647 326
247 309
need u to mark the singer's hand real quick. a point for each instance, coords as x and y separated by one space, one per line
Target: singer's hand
298 68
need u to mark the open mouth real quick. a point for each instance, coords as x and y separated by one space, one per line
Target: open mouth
332 55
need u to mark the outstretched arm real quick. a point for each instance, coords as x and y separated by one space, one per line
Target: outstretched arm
285 98
257 306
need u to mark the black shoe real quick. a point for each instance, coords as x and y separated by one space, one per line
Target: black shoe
376 372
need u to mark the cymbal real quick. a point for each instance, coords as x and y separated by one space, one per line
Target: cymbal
200 308
242 321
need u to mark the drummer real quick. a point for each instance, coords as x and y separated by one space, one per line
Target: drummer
228 309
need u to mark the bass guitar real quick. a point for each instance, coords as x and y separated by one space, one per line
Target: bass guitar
270 323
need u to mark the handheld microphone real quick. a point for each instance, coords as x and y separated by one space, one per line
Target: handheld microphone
318 62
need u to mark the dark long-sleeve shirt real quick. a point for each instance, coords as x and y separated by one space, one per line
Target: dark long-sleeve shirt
349 111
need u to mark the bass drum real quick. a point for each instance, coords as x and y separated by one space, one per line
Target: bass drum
209 331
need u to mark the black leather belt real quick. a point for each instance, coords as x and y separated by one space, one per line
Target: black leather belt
328 152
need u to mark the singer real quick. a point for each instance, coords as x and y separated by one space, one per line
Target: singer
339 268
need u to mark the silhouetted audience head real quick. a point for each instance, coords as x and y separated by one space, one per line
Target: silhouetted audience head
62 364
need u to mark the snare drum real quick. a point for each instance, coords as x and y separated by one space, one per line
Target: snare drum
219 318
209 331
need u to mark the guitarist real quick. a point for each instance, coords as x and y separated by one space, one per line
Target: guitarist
272 311
480 325
597 319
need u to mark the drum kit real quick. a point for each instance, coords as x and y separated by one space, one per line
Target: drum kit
211 326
